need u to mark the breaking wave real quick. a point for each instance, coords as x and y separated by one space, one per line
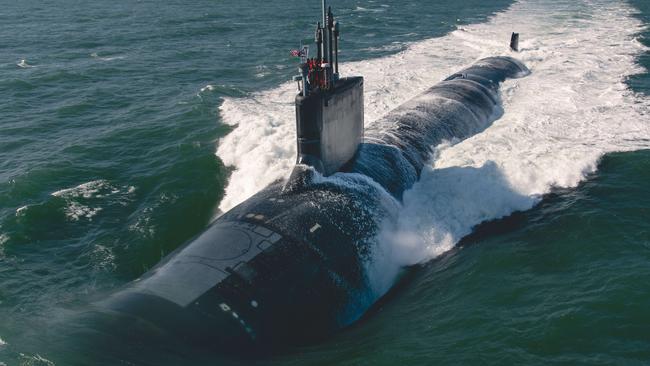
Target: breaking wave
85 200
23 64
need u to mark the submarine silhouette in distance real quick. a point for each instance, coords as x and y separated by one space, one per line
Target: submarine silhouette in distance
289 264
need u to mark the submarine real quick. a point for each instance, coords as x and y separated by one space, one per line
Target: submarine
290 264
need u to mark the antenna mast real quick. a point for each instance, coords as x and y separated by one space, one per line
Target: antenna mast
321 72
324 33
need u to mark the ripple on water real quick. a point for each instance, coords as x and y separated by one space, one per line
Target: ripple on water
3 239
34 360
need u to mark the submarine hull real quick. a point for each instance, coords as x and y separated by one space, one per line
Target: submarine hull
290 263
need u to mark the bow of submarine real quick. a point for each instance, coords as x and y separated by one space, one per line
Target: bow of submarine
280 267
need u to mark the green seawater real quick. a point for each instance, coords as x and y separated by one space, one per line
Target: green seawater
109 122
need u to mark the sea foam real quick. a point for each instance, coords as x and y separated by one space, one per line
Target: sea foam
84 200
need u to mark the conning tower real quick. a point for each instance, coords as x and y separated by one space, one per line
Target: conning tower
329 109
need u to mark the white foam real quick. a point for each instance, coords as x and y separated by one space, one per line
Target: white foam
106 58
102 258
82 200
86 190
558 122
394 46
362 9
35 360
144 225
207 88
21 209
23 64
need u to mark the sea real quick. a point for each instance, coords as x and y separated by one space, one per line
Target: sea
127 126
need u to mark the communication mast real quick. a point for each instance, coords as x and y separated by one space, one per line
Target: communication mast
323 71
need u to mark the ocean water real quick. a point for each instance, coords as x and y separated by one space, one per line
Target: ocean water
125 127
